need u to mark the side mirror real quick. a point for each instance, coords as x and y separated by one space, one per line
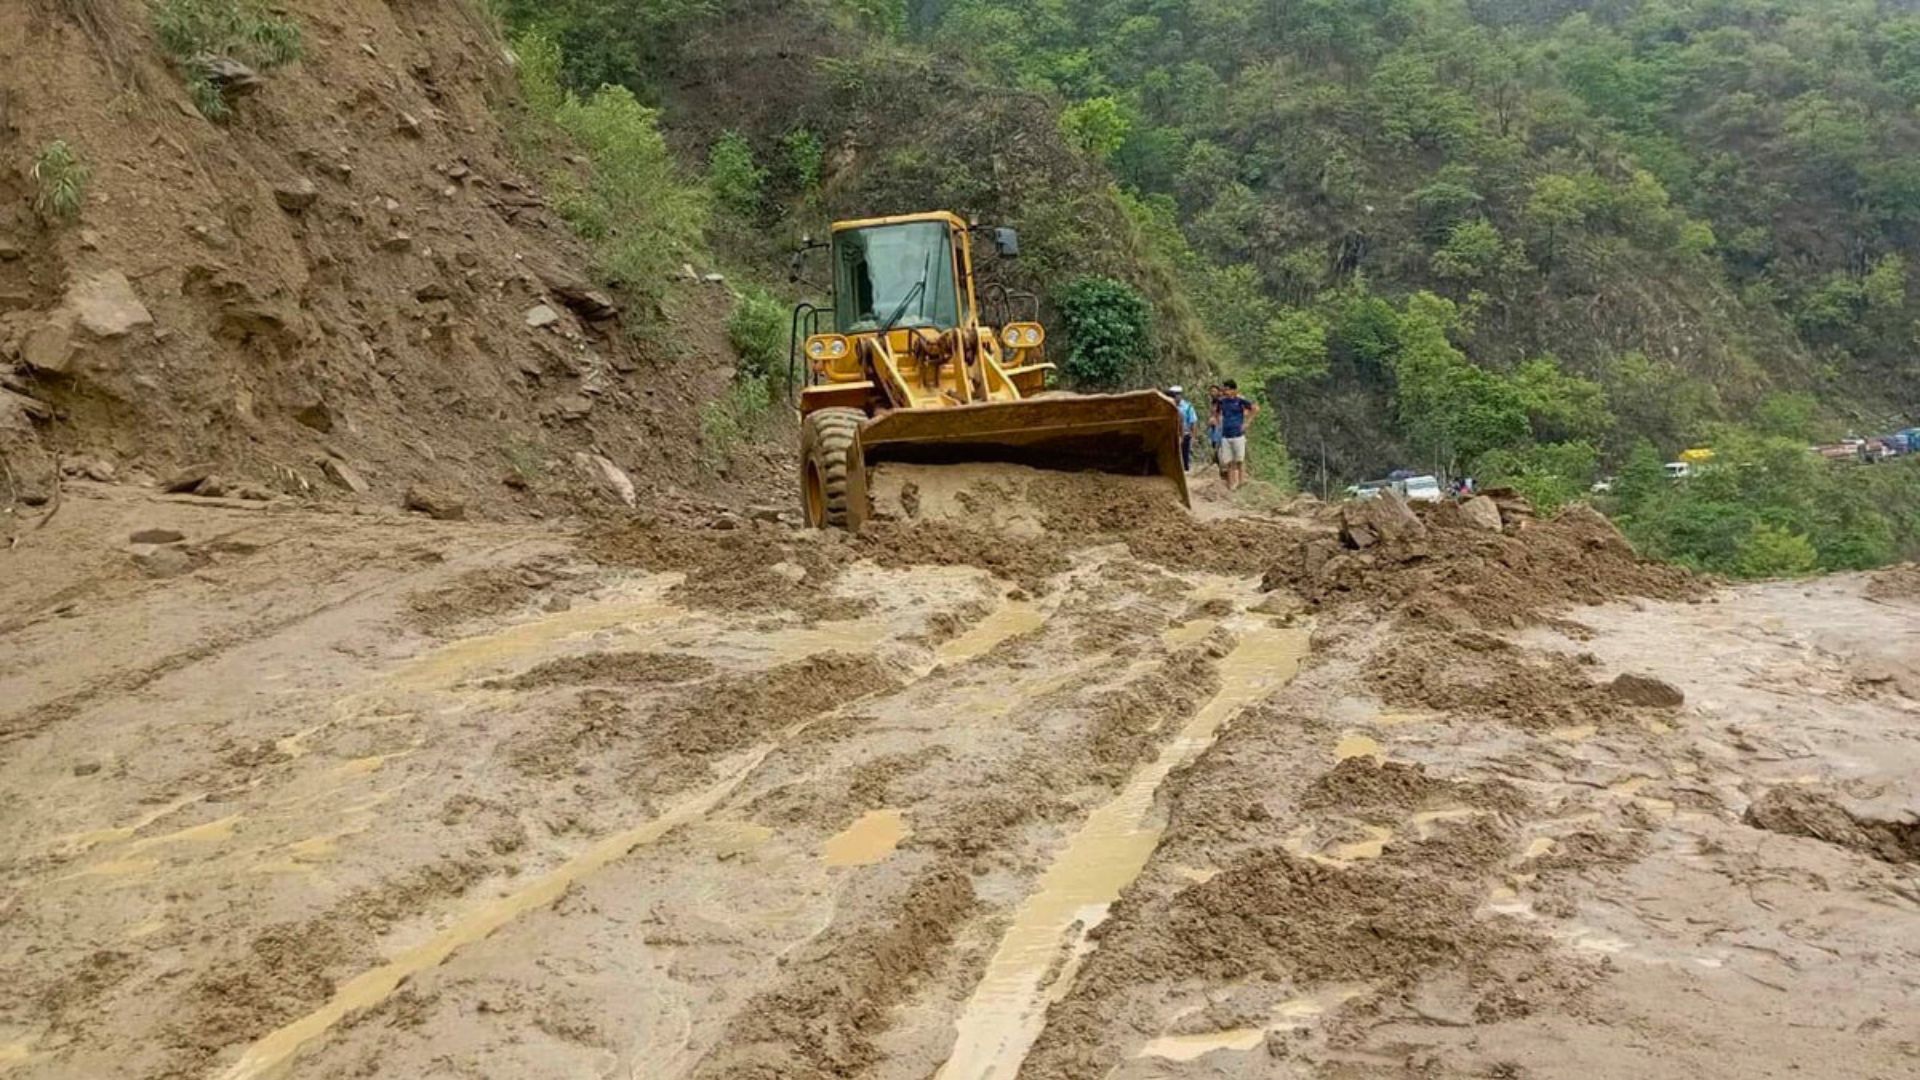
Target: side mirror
1006 241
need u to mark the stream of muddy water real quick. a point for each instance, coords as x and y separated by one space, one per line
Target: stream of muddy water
1038 957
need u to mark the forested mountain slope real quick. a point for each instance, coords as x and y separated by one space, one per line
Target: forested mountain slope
1431 229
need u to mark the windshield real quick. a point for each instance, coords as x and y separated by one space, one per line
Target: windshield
886 269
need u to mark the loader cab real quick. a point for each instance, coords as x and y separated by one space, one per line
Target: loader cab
904 275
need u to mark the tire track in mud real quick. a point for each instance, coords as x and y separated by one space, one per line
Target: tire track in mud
1040 954
843 1007
762 704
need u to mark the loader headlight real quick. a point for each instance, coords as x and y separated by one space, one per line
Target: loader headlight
1022 335
827 347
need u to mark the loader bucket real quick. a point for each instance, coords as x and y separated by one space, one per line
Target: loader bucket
1135 434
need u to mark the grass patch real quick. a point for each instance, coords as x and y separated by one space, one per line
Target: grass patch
734 418
60 181
196 33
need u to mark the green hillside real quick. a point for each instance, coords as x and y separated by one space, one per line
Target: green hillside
1509 239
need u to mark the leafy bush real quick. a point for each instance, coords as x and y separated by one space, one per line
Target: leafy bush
758 329
60 181
732 175
1769 552
633 205
1098 126
1550 475
1107 324
195 32
805 159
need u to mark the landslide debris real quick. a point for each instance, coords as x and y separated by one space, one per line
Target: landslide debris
1820 815
1896 583
325 293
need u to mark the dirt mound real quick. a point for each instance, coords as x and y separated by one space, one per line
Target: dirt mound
1896 583
1817 815
759 567
1458 575
1363 783
610 669
1480 675
820 1022
478 594
345 288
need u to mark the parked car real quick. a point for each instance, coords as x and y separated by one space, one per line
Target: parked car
1679 470
1369 489
1420 489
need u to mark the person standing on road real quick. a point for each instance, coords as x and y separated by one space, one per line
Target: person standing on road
1232 413
1213 427
1189 419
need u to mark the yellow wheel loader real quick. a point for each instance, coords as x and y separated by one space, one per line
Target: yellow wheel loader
904 365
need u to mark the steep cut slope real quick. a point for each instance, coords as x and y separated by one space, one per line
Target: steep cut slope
345 287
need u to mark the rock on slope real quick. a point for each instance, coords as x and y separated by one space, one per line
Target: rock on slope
338 275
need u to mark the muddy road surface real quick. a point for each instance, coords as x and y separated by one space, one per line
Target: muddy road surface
1093 789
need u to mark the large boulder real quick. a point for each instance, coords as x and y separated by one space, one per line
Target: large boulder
1481 512
1383 520
106 307
1647 691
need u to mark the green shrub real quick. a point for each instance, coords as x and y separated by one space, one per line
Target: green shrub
734 178
1769 552
60 181
1107 324
806 159
196 31
1550 475
758 329
633 206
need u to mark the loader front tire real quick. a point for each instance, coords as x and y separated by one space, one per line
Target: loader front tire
833 481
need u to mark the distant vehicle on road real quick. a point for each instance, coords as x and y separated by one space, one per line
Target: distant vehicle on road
1679 470
1369 489
1420 489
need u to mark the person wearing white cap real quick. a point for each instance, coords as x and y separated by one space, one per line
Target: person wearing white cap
1188 421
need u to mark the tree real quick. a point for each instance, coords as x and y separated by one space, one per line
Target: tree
1557 206
1294 346
1551 475
1561 406
1474 252
1098 126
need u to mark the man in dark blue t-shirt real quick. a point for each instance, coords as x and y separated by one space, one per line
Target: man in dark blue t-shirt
1231 414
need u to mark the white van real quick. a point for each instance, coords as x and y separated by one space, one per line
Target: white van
1421 489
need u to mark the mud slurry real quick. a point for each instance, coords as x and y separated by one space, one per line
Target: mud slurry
1111 810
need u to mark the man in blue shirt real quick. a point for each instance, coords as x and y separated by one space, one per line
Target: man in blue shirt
1232 413
1188 421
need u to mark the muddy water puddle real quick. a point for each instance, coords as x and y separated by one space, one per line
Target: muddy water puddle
1357 745
869 840
1039 955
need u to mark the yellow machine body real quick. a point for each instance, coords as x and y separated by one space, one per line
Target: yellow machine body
908 370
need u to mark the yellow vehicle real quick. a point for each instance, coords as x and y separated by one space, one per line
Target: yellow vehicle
903 365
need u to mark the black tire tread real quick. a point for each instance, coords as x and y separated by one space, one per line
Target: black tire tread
830 437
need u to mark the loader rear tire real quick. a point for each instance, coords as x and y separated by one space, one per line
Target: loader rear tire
833 482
